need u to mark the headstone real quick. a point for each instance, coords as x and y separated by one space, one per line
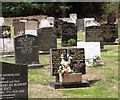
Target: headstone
94 34
6 45
44 23
19 28
13 81
1 21
92 49
80 24
73 17
111 18
58 25
110 33
31 27
76 53
69 34
47 38
26 49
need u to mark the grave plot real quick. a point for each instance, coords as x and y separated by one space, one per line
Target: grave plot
67 65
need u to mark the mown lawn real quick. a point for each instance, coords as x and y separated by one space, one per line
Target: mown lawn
103 79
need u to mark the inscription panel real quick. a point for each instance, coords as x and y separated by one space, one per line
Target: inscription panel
13 82
26 49
76 53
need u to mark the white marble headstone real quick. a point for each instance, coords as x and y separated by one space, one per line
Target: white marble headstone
1 21
92 49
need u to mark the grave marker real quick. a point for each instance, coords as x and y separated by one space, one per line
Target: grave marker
110 33
13 81
47 38
69 34
94 34
26 49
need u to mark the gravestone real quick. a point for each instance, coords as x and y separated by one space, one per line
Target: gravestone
55 58
31 27
13 81
69 34
47 38
19 28
26 49
80 24
92 49
111 18
58 25
94 34
1 21
110 33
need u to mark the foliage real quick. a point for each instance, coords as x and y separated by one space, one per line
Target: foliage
71 41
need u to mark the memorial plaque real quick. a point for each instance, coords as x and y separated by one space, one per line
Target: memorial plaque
110 33
94 34
26 49
5 32
13 81
76 53
19 28
47 38
69 34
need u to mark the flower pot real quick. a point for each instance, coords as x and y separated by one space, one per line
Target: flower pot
70 78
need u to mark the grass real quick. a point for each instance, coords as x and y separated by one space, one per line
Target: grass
104 79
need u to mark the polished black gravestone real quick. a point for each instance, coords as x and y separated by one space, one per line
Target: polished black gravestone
94 34
13 81
26 49
55 58
110 33
69 34
47 39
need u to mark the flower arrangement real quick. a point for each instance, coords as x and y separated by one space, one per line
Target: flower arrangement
6 33
71 41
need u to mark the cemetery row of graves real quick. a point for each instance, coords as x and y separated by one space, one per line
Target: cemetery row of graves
34 50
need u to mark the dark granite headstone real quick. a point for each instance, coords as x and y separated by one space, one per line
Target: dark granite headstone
110 33
111 18
76 53
69 32
94 34
5 32
58 25
47 38
19 28
26 49
80 24
13 81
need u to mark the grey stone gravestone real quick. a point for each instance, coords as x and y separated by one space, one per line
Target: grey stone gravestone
47 38
110 33
76 53
26 49
19 28
69 34
13 81
80 24
94 34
